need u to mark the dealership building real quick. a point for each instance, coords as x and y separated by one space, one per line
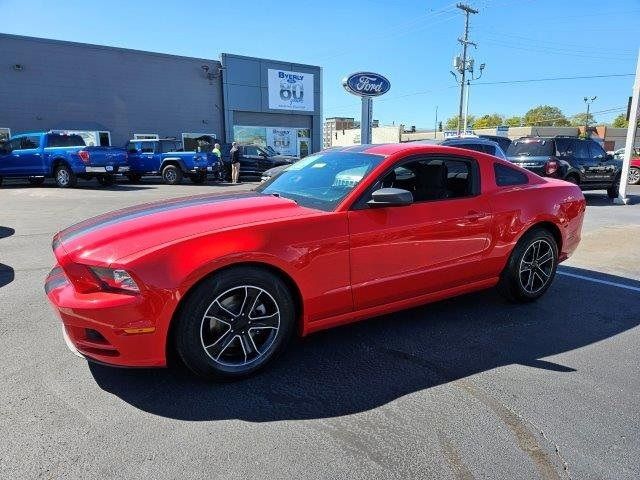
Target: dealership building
116 94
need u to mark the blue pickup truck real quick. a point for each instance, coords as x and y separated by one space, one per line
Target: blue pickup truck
167 158
66 158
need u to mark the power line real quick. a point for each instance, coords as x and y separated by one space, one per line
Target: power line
553 79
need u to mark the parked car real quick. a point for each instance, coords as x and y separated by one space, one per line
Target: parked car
583 162
634 171
36 156
167 158
478 144
253 160
224 282
272 172
504 142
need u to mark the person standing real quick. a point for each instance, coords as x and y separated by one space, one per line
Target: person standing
235 162
216 151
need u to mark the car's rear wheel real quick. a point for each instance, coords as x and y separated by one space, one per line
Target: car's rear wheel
172 175
37 181
634 176
612 191
106 180
134 177
531 267
198 178
64 176
234 323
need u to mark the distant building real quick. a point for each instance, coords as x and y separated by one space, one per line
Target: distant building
333 125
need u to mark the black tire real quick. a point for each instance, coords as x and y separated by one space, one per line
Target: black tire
37 181
572 179
515 279
64 177
1 179
612 191
197 324
134 177
172 175
107 180
634 176
199 178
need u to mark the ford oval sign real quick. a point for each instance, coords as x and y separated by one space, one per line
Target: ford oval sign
366 84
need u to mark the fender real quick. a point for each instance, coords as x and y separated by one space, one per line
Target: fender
177 160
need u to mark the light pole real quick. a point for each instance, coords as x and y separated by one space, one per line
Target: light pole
588 101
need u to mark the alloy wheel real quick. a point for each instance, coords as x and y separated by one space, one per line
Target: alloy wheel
634 176
63 176
536 266
240 326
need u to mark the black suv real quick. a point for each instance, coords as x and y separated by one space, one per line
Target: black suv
583 162
253 160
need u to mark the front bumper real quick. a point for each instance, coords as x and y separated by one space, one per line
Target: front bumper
110 328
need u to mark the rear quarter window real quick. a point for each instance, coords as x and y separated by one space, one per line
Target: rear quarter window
507 176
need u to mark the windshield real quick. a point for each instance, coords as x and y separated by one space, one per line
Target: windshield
322 180
531 148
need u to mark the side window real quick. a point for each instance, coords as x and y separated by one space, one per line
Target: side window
146 147
432 178
250 151
507 176
581 149
132 148
564 148
30 142
596 150
15 144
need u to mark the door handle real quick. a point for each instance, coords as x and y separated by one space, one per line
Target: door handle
474 215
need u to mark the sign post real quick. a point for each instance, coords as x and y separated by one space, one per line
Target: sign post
631 135
366 85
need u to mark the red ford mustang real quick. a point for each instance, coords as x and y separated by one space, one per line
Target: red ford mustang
342 235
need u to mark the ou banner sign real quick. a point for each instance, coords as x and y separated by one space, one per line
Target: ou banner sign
290 90
366 84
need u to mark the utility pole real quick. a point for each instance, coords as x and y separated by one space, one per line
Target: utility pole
465 42
588 101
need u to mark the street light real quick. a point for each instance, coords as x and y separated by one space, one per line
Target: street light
588 101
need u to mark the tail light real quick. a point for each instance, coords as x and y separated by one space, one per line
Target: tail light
84 156
551 167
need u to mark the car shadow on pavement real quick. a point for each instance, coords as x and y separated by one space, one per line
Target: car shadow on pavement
365 365
6 232
601 200
7 275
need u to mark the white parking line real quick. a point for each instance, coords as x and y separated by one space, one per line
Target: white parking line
597 280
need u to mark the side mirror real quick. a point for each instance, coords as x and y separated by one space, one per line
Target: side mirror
390 197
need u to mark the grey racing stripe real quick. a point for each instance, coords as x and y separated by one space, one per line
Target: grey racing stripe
139 211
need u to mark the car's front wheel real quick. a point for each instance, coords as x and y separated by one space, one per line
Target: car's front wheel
531 267
234 323
634 176
107 180
612 191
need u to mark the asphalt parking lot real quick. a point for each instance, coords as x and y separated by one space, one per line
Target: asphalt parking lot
472 387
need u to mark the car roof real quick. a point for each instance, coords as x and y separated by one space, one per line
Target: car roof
386 149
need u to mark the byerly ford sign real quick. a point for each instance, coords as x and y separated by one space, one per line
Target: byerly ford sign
366 84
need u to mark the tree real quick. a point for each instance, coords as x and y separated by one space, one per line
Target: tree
620 121
488 121
452 123
579 119
514 121
545 116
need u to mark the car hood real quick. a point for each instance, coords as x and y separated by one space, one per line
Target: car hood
104 239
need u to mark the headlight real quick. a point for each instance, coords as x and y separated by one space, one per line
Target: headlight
116 279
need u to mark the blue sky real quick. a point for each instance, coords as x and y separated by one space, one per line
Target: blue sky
411 42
